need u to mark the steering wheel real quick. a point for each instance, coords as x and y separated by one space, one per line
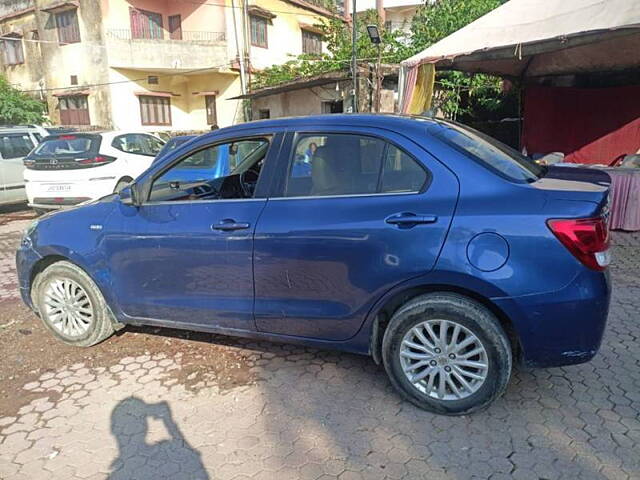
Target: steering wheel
248 181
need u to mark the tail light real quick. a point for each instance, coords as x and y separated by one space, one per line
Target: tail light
586 238
97 160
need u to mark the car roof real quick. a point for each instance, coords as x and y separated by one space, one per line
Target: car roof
181 137
381 120
15 128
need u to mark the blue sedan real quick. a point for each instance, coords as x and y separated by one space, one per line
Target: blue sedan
441 253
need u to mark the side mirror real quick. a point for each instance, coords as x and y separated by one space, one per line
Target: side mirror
128 196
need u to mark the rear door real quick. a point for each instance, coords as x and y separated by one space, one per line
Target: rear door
13 148
138 150
355 212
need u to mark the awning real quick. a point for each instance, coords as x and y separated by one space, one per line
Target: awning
202 94
154 94
71 93
527 38
61 6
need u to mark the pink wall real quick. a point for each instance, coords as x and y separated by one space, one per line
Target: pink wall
196 14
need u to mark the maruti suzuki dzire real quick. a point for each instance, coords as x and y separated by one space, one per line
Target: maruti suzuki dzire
442 253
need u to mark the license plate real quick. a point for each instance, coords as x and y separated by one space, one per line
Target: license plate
59 188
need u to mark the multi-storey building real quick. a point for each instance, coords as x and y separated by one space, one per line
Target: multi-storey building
147 64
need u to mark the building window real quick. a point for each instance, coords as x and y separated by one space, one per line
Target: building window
67 26
145 24
175 27
258 31
74 110
311 42
155 110
264 113
12 50
210 104
74 80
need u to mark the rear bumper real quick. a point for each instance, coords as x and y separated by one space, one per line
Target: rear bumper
57 194
564 327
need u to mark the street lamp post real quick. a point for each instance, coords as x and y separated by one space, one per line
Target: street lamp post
374 36
354 59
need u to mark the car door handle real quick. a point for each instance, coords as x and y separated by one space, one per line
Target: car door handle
229 224
410 219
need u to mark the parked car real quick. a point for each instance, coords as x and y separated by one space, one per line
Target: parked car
172 144
441 253
15 143
71 168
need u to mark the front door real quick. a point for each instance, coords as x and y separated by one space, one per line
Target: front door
185 255
358 214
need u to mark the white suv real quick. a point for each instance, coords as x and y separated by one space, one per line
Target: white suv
72 168
15 143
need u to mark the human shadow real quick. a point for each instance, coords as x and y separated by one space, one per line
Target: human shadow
137 459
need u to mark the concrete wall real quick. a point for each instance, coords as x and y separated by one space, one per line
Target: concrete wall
187 108
86 59
197 15
284 33
308 101
28 75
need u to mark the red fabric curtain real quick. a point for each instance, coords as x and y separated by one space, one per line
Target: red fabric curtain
594 125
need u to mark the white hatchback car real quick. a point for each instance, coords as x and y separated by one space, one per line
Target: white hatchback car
71 168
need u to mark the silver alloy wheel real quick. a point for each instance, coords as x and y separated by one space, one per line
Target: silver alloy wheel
68 308
444 359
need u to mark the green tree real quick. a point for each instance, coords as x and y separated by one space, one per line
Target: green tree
17 107
337 38
459 95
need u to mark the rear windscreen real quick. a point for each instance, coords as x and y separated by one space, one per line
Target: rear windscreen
497 156
67 146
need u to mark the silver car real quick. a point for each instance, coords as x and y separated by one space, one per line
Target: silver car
15 143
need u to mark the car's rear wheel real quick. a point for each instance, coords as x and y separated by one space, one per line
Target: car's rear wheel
71 305
447 354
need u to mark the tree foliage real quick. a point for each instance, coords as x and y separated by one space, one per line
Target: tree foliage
458 94
337 38
17 107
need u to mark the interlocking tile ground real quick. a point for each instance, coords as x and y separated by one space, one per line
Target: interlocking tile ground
153 404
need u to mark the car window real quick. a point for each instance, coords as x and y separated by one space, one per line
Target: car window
502 159
37 136
15 145
71 145
138 144
348 164
401 173
222 171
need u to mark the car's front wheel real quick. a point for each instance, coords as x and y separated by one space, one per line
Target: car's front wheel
447 354
71 306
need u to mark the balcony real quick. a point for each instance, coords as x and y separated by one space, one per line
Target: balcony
194 50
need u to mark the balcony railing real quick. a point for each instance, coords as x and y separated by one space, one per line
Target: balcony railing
188 35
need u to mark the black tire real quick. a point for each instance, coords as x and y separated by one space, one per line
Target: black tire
123 182
462 311
102 324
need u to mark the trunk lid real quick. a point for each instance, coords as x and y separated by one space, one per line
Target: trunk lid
576 184
66 152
